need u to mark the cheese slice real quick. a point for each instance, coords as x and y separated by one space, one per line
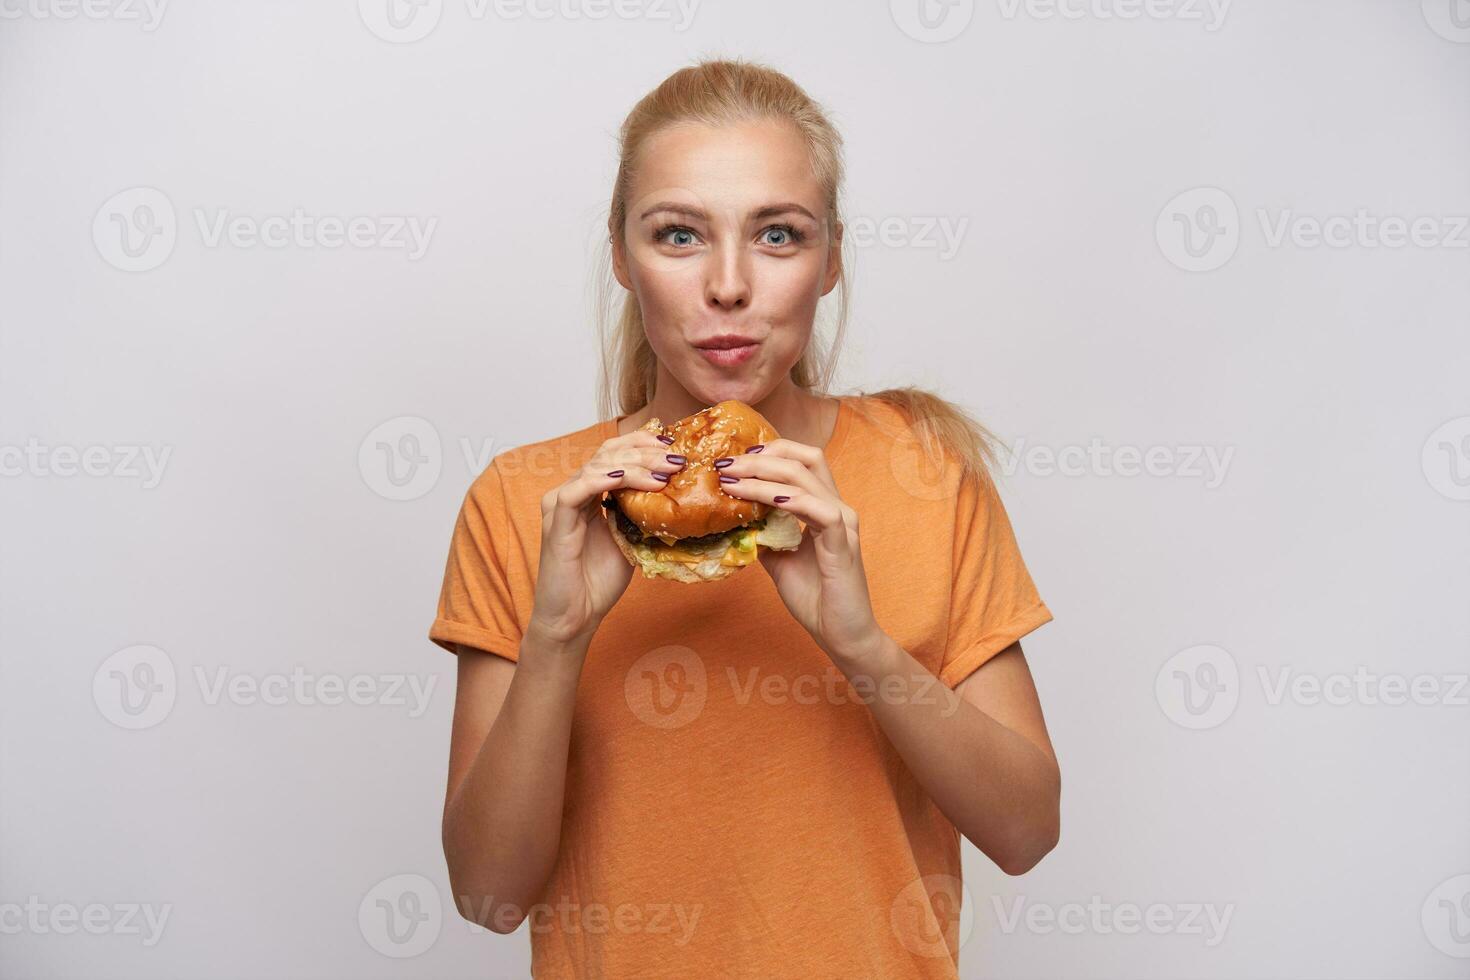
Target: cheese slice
734 554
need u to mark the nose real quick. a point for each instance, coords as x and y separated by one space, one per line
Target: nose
727 285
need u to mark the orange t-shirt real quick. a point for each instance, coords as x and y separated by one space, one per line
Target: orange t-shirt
732 807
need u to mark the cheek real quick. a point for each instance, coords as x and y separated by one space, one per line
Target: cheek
663 285
788 293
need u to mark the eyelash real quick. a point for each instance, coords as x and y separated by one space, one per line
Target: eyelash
796 236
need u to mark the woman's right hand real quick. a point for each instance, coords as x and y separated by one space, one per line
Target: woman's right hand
582 572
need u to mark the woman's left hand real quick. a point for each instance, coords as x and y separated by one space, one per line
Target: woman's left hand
822 582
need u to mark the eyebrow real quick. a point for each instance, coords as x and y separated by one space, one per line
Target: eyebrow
769 211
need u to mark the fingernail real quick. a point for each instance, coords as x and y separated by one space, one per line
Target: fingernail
727 478
666 440
676 459
755 449
723 462
661 477
780 500
616 473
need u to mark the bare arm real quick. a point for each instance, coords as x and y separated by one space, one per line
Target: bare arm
507 774
981 751
513 722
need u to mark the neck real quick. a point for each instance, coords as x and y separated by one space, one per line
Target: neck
794 412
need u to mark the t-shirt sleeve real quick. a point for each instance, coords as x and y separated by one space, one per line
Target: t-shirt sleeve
993 602
477 600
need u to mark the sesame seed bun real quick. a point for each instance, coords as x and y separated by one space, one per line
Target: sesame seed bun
694 506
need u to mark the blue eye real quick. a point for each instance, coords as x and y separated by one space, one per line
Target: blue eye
666 232
792 235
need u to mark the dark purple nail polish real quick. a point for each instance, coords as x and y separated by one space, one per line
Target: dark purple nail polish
780 500
661 477
727 478
756 449
723 462
666 440
616 473
676 459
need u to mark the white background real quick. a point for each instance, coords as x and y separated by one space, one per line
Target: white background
1334 539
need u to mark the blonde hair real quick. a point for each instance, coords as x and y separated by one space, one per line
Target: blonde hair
721 92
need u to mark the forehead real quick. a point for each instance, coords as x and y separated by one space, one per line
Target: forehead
739 165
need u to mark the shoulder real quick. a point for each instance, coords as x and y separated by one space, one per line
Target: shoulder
872 418
892 474
520 476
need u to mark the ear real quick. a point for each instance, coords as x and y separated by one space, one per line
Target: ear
620 263
834 259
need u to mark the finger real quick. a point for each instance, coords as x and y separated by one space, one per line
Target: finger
658 458
638 437
641 447
564 507
816 510
775 469
809 456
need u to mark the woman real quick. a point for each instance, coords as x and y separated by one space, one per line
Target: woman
766 776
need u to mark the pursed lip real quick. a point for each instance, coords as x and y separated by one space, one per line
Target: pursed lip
725 341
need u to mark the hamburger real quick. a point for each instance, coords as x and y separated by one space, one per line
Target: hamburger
692 531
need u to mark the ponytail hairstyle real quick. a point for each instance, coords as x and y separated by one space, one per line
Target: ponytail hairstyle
723 92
